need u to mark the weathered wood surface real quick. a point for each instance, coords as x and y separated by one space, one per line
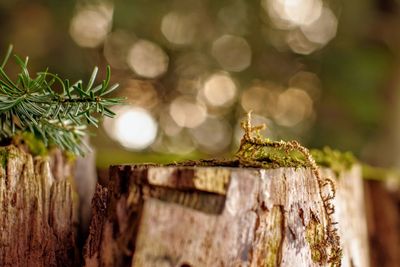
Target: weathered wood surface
38 209
214 216
352 217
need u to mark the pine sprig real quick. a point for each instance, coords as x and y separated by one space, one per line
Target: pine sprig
56 117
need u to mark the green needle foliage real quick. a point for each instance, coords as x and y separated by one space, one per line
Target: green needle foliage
56 117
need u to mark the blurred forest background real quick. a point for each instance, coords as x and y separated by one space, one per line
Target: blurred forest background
323 72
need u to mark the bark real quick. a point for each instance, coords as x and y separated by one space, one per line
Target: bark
38 207
383 223
219 216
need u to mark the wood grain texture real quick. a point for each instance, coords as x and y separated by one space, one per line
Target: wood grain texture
352 217
214 216
38 210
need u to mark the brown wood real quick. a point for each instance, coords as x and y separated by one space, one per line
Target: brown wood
383 223
220 216
38 208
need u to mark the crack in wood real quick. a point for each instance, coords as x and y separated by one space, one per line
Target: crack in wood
301 215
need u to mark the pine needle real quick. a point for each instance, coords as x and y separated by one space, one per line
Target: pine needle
55 118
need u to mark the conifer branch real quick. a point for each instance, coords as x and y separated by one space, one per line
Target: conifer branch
56 117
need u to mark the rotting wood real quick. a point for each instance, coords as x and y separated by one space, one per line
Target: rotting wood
160 216
38 207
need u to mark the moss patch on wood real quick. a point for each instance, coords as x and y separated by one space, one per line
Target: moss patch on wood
277 157
334 159
34 145
5 155
274 241
268 157
315 238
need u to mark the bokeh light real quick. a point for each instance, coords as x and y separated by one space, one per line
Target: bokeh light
181 143
293 106
285 107
212 136
261 98
299 44
219 90
192 64
322 30
180 28
147 59
91 24
133 127
187 112
233 53
289 13
116 48
307 25
168 124
141 93
308 82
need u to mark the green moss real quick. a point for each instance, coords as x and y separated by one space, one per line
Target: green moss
380 174
71 157
270 157
276 157
36 146
274 242
315 239
5 155
334 159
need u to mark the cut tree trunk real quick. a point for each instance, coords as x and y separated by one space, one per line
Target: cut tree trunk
38 207
220 216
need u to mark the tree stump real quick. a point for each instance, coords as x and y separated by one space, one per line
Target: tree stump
38 207
220 216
